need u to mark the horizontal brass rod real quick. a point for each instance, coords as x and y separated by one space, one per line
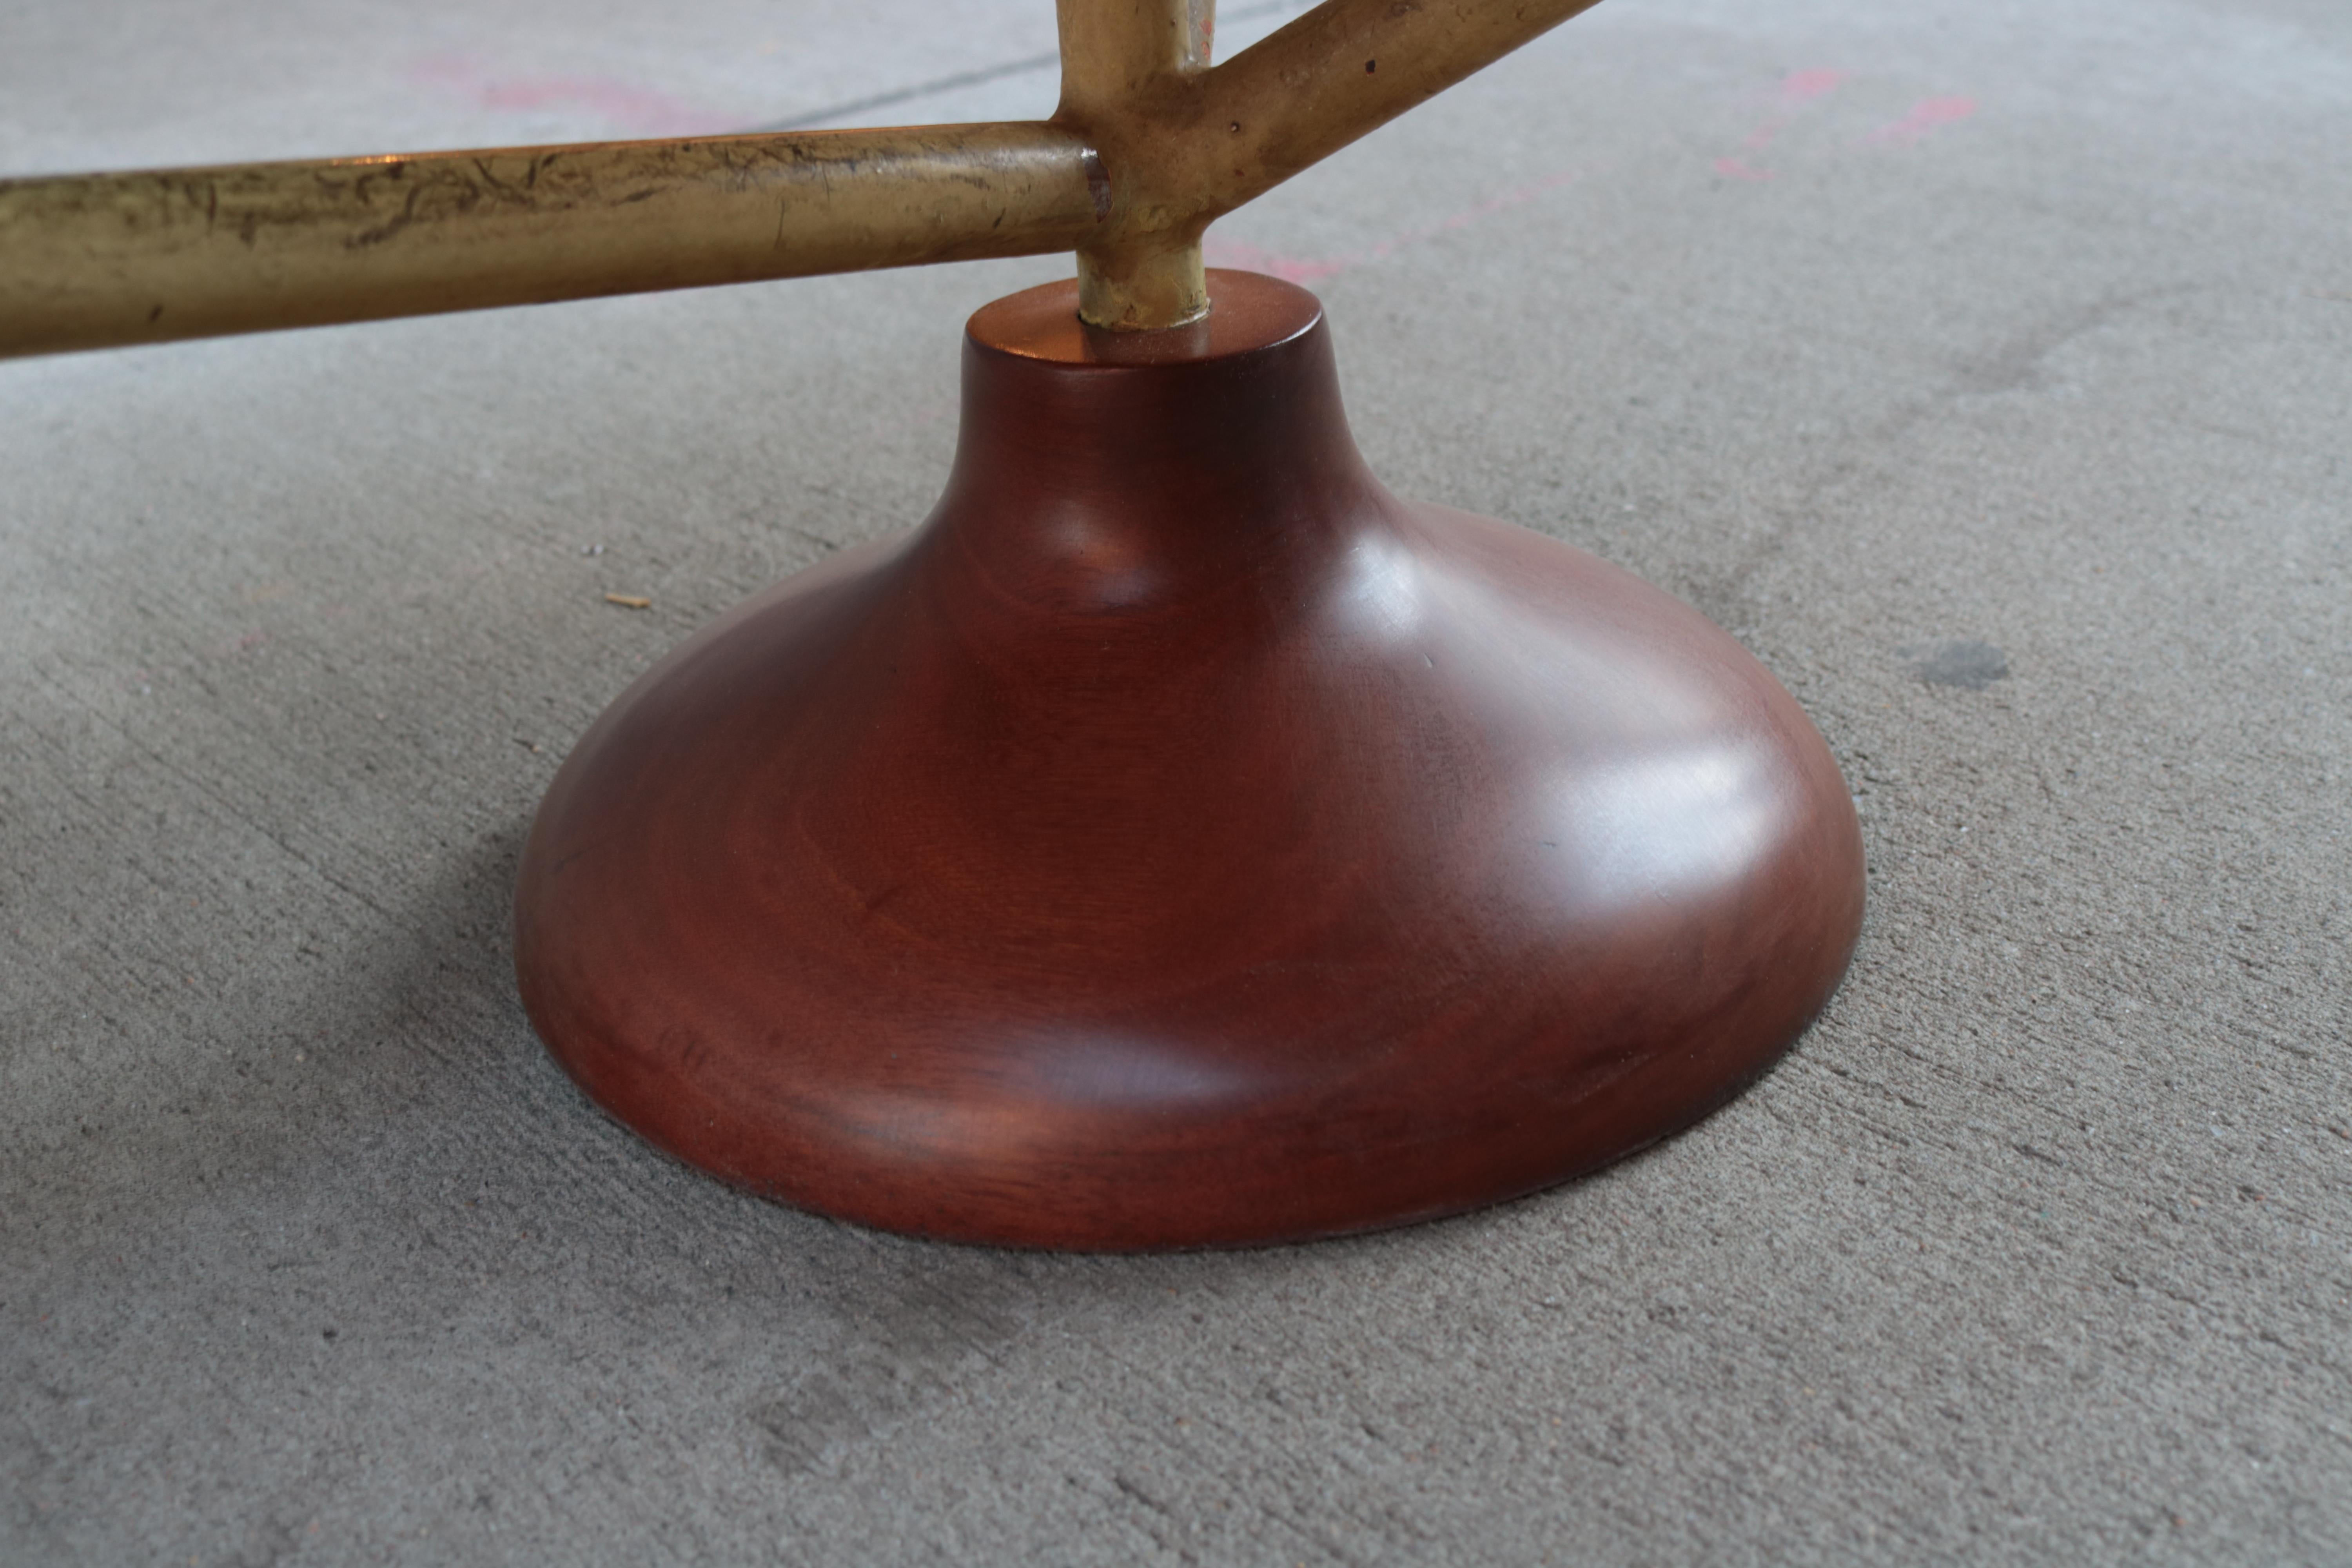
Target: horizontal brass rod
95 260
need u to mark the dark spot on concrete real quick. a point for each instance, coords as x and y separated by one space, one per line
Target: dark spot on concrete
1975 665
907 1356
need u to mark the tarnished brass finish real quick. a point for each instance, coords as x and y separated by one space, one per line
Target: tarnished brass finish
1186 146
1126 65
1149 147
1339 72
89 261
1114 51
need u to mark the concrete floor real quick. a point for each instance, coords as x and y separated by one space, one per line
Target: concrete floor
1986 369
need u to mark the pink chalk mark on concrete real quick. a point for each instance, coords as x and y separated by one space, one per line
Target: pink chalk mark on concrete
1796 88
1802 87
622 105
1248 257
1926 116
1220 252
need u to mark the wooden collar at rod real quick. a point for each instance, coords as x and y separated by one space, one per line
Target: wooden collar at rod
1150 145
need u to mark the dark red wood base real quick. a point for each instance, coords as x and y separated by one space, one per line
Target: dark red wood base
1181 841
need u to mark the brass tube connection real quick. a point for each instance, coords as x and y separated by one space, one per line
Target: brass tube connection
1186 146
1151 145
1126 65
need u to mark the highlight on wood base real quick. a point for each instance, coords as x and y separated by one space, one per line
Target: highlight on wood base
1180 840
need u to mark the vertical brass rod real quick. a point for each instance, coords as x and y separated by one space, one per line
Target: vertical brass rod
89 262
1125 64
1116 52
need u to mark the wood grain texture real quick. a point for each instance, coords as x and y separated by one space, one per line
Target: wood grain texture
1180 840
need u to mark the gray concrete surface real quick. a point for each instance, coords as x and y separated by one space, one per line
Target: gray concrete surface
1988 368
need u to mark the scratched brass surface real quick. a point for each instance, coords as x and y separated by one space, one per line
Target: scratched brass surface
1150 145
1185 146
89 262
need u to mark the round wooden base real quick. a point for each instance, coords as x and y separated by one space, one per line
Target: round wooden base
1180 840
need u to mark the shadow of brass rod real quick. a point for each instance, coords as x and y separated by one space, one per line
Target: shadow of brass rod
97 260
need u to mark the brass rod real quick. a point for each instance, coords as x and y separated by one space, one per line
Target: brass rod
94 261
1150 145
1122 61
1184 148
1116 51
1337 73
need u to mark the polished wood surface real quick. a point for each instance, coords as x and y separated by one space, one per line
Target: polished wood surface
1180 839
